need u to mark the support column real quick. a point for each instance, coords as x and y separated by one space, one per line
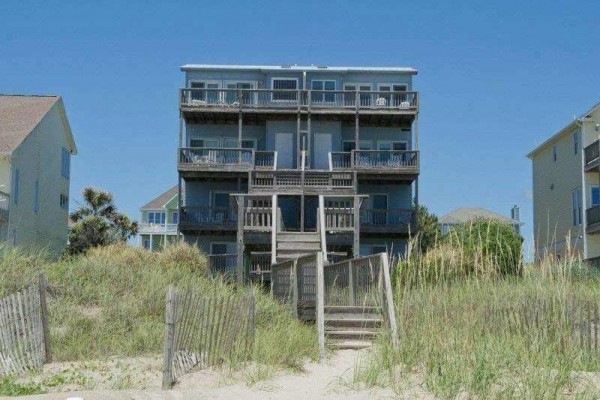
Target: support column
356 244
302 212
179 203
240 129
274 227
298 139
240 240
309 139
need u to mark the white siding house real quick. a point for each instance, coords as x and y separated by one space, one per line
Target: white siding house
36 144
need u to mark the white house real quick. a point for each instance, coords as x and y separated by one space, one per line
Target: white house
36 144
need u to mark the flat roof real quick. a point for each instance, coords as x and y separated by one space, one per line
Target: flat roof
300 68
561 132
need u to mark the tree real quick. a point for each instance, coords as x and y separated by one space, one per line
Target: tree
428 229
98 223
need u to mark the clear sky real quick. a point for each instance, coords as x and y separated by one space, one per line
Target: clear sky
496 78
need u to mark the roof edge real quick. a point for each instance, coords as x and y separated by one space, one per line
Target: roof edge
298 68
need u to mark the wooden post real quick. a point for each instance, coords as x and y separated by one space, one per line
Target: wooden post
389 299
321 306
322 228
351 281
294 282
356 244
43 287
170 317
274 229
240 240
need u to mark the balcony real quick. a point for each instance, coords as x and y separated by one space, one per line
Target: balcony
146 228
213 159
593 220
223 101
207 219
377 162
393 220
298 182
592 156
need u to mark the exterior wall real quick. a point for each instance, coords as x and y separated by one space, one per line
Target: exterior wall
204 241
373 135
39 158
394 246
399 196
553 183
199 193
227 131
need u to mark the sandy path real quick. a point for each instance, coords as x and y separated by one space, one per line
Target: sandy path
329 380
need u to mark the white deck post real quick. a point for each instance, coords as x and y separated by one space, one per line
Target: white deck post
321 305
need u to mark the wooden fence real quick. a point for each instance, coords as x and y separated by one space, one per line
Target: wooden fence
24 332
202 331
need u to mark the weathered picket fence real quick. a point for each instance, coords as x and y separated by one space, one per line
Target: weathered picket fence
24 332
203 330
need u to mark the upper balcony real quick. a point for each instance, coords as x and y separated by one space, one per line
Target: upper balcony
145 228
197 105
592 156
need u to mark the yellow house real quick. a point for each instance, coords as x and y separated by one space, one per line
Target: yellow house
566 192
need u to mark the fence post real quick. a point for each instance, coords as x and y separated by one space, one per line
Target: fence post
295 286
42 288
170 317
321 305
389 299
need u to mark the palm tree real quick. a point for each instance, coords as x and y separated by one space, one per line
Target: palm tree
98 223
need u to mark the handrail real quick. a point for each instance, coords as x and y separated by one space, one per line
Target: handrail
321 304
389 309
385 159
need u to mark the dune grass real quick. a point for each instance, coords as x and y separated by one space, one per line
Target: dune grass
111 302
457 340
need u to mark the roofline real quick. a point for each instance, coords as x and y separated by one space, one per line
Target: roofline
561 132
297 68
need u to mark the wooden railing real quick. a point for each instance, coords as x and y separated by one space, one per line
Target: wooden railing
282 179
265 159
592 152
388 220
259 263
384 159
293 281
339 219
593 215
207 217
258 218
216 157
319 99
340 160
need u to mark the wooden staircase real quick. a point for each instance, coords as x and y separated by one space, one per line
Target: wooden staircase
350 327
297 244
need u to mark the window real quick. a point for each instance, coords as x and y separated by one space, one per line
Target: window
16 184
378 249
244 91
595 197
576 200
387 145
396 96
175 217
205 95
320 87
65 164
575 142
64 202
218 248
364 95
146 244
286 89
350 145
36 196
156 218
208 143
554 153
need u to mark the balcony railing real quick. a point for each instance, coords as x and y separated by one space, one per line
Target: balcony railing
4 205
259 263
223 264
214 158
380 160
593 216
318 99
196 218
388 220
294 179
339 219
258 218
148 228
340 160
592 153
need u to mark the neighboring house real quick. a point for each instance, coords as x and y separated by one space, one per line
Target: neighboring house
36 145
277 161
466 215
160 217
566 192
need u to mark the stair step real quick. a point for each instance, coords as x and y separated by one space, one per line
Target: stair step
289 254
345 333
347 344
298 237
362 321
353 310
299 246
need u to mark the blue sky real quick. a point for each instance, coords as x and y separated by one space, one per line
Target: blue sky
496 78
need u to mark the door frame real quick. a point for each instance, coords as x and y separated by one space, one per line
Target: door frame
292 149
314 145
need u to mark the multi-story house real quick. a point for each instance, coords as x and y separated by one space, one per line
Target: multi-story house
279 161
466 215
566 191
159 219
36 145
